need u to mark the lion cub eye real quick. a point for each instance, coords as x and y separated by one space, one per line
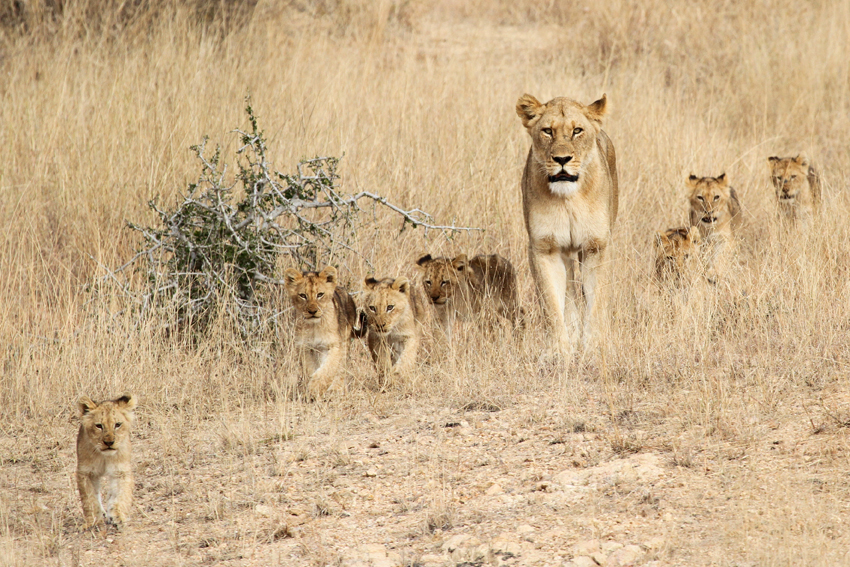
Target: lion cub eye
99 426
428 283
444 284
372 309
716 197
320 295
302 295
547 131
390 308
700 198
577 131
117 425
793 177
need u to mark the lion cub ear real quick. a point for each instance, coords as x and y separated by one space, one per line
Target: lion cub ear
127 401
329 274
401 284
290 276
661 238
801 160
722 179
424 260
692 180
774 159
460 262
371 282
597 110
86 405
529 110
693 234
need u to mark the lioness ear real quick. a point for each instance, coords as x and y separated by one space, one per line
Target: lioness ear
460 262
598 109
328 274
423 260
528 109
291 276
371 282
401 284
127 401
86 405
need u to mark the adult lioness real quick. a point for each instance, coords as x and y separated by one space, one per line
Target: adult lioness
569 199
797 186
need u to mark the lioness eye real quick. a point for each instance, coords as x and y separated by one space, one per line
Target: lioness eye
320 295
577 131
390 308
99 425
117 425
547 131
302 295
372 309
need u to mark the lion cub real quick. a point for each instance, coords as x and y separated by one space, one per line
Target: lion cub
324 322
677 255
716 212
797 186
461 287
394 314
104 459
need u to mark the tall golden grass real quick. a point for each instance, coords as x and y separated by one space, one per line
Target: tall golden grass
419 97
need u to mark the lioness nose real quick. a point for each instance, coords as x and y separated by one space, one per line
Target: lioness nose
562 159
312 309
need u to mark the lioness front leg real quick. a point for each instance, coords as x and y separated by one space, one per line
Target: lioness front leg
550 276
591 268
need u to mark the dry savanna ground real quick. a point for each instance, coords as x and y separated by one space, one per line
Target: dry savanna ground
712 432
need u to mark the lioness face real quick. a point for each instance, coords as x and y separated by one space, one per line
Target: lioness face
676 252
386 302
563 134
311 293
789 176
107 424
710 199
442 276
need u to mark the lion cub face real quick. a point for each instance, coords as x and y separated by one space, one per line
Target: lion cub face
713 202
387 301
311 293
677 253
790 178
563 134
443 278
107 425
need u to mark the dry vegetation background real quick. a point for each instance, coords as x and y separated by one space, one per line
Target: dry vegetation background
744 393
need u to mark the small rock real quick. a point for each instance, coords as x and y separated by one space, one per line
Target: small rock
385 562
371 472
600 557
372 548
624 557
454 542
433 559
265 511
582 561
611 546
494 489
586 547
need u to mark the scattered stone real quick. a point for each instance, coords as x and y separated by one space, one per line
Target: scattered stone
586 547
371 472
494 489
625 556
455 542
581 561
611 546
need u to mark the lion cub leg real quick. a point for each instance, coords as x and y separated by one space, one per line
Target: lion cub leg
118 497
89 488
321 365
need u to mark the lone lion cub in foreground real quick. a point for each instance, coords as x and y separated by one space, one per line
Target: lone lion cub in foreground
462 287
569 200
324 323
104 460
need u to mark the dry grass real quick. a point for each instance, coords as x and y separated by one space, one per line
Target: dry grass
420 98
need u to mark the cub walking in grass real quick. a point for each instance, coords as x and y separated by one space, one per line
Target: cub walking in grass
395 315
325 322
716 212
105 460
797 186
461 287
677 256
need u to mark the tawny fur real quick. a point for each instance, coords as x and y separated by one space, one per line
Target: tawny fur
395 314
797 186
325 319
716 212
677 256
570 198
459 287
105 460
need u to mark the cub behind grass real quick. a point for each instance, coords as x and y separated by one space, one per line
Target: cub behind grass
395 315
797 186
325 321
677 256
105 460
716 212
461 287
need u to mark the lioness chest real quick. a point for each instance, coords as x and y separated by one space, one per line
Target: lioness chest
568 223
